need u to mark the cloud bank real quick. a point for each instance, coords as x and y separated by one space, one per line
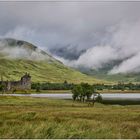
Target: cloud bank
15 49
89 34
122 44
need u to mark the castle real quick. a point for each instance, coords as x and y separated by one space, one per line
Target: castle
23 84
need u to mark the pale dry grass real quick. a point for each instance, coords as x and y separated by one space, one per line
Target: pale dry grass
26 117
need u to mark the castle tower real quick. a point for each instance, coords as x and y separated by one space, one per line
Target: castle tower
26 81
8 85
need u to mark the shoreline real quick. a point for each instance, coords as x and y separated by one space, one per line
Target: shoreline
69 92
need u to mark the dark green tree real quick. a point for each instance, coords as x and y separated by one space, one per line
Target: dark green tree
87 90
38 87
82 92
2 87
77 92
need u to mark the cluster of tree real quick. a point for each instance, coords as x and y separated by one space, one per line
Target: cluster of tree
52 86
2 88
84 86
120 86
82 91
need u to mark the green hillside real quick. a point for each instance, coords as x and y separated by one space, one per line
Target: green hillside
42 71
103 74
18 57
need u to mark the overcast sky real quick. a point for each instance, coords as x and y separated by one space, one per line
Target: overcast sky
77 32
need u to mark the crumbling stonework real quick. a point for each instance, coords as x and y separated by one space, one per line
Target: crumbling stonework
23 84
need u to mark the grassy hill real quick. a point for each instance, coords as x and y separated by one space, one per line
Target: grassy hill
113 78
102 73
42 71
18 57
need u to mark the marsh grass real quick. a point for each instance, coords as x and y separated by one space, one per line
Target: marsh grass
27 117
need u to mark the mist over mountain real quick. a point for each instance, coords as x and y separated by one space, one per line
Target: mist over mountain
122 44
18 57
67 52
90 35
97 37
18 49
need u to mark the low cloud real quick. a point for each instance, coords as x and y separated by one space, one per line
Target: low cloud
96 57
122 44
95 29
131 65
10 49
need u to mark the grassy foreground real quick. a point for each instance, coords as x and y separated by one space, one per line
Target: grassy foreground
26 117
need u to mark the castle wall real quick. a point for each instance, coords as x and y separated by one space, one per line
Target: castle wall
23 84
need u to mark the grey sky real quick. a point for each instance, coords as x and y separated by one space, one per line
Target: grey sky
76 23
58 25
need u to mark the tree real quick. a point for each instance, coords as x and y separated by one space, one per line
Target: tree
65 82
2 88
87 90
82 91
77 92
38 87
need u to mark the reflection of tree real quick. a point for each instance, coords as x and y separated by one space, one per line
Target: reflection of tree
97 97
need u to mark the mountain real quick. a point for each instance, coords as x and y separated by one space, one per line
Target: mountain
18 57
102 73
18 49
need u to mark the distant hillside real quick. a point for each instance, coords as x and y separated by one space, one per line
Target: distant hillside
103 74
18 57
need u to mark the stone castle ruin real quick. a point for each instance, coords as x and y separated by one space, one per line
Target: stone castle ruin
23 84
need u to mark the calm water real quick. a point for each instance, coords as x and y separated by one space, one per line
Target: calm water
108 96
52 95
115 96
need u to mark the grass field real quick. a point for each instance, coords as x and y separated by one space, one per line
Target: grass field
26 117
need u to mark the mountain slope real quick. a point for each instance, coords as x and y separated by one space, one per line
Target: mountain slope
113 78
18 49
102 73
18 57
